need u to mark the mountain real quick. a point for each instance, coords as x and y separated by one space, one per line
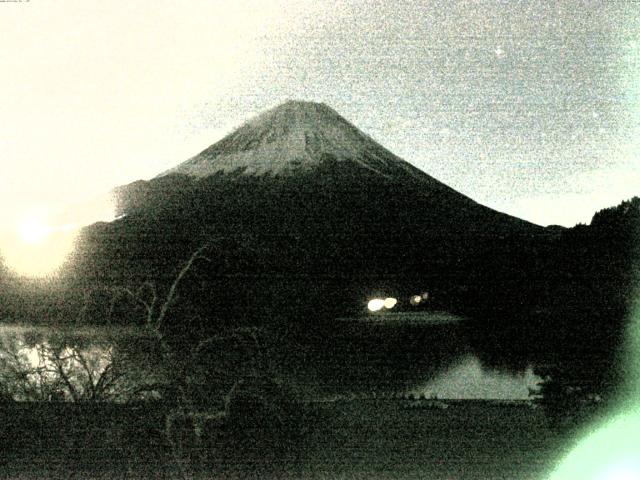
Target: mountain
307 143
294 137
299 207
305 138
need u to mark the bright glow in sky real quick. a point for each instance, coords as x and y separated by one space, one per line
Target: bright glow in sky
34 230
530 108
36 242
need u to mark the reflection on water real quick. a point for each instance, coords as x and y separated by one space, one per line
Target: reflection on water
428 353
469 380
385 357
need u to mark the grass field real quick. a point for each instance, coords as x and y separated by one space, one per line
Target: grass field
358 439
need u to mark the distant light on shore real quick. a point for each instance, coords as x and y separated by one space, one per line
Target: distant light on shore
390 302
375 304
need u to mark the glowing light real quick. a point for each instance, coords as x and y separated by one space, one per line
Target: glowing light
390 302
375 304
611 453
415 299
37 255
35 247
625 471
33 230
612 450
39 241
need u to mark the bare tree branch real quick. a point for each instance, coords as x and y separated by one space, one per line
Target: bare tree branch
65 378
171 296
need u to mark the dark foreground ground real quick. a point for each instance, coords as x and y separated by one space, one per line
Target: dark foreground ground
357 439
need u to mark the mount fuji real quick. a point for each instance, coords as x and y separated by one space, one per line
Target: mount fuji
300 137
297 200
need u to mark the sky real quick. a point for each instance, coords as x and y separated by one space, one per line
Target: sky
531 108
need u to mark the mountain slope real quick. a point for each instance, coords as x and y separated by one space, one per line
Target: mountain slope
302 196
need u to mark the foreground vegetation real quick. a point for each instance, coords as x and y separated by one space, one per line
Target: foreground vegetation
343 439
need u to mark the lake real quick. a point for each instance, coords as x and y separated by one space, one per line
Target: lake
380 355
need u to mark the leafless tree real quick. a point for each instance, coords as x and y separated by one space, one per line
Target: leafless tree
56 368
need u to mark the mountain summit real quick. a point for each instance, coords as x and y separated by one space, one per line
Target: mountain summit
293 137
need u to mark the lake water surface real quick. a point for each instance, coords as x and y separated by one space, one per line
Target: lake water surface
387 355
